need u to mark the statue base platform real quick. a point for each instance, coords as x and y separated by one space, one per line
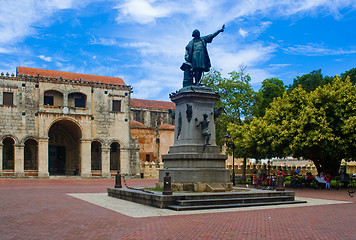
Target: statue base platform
191 165
199 187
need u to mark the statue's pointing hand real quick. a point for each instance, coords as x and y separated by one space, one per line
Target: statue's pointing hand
222 28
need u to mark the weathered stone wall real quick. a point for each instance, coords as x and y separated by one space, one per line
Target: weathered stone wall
166 136
154 143
20 118
29 118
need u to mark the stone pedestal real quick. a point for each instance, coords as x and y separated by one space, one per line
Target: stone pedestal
192 166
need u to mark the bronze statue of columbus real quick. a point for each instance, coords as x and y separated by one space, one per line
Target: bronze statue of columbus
197 57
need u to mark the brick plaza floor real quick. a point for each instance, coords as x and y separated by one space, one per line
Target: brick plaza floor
42 209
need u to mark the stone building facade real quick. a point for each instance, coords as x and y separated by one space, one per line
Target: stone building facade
153 127
52 122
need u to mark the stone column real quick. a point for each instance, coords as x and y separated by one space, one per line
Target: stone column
85 158
146 170
125 161
19 160
147 118
105 162
1 158
43 158
65 100
134 159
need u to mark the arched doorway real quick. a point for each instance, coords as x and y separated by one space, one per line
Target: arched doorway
8 154
31 154
63 148
115 156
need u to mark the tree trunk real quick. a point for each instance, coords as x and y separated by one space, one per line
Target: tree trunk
244 169
330 166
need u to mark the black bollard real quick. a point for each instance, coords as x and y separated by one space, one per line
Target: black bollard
118 180
167 185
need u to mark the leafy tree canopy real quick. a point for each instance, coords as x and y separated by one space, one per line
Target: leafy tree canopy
315 119
310 82
320 126
271 88
236 99
351 73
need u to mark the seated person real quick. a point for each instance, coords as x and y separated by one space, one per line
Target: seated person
293 182
309 179
76 171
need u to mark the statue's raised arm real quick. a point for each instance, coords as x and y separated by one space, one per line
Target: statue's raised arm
218 31
197 57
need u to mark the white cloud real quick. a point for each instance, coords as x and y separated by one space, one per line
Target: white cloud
143 11
20 18
140 89
279 65
5 50
148 11
59 4
257 76
248 55
136 45
103 41
313 49
279 8
113 42
44 58
316 7
156 45
243 32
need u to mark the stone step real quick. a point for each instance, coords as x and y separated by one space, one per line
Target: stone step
221 195
223 201
65 177
202 207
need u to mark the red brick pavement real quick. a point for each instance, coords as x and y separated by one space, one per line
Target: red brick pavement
40 209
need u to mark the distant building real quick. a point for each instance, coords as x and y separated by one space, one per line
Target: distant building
52 122
153 127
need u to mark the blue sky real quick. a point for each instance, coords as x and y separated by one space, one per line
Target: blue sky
143 41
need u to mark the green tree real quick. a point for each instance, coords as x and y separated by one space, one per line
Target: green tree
310 82
236 99
271 88
253 138
351 73
319 125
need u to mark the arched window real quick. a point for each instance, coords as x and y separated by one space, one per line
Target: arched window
77 100
95 155
8 154
53 98
115 156
30 154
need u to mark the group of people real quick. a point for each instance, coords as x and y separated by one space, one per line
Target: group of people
261 179
297 180
308 179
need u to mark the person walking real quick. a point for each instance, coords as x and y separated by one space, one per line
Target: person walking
327 179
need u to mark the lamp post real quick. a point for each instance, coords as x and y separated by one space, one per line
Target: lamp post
230 144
